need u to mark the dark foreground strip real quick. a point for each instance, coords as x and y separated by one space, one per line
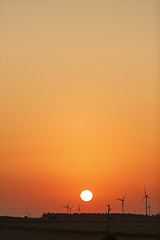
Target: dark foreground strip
16 227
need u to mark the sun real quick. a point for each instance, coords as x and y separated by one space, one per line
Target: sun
86 195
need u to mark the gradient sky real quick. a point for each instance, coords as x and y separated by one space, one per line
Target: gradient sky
79 104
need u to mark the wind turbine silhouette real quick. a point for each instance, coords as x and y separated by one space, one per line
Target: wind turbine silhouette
149 207
29 214
67 206
146 197
79 209
122 200
70 209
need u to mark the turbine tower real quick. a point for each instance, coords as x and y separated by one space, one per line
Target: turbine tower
109 209
67 206
122 200
29 214
146 197
70 209
149 207
79 209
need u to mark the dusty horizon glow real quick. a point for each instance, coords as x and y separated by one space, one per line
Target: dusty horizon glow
79 104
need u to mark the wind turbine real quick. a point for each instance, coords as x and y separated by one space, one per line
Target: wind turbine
29 214
67 206
122 200
70 209
109 209
149 207
79 209
146 197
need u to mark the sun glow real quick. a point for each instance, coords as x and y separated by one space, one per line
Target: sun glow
86 195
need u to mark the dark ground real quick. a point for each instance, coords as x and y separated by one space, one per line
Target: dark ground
80 227
23 234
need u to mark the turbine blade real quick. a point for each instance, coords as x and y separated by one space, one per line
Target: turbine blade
142 200
145 190
119 199
124 196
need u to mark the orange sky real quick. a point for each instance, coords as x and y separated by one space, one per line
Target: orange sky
79 104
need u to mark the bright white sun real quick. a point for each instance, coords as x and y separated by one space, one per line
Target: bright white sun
86 195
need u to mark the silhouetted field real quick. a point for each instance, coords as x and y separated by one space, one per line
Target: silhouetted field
23 234
59 228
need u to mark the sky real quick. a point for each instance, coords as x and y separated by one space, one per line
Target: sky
79 105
